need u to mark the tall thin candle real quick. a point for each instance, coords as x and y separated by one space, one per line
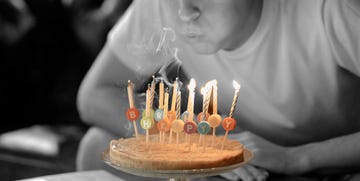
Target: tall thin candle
148 97
190 107
130 94
236 95
132 113
206 96
147 106
166 107
214 119
173 101
178 104
166 102
161 95
172 113
152 92
215 97
229 123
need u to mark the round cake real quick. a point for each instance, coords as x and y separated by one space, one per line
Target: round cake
177 155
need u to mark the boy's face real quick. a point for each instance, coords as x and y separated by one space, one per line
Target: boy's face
210 25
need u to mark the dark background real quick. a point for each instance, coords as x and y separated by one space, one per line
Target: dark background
40 74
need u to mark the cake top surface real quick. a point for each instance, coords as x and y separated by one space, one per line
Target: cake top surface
138 147
156 159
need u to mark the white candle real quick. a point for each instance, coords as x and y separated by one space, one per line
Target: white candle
229 123
152 92
178 104
190 107
147 110
130 94
161 95
173 101
147 106
166 103
132 104
236 95
205 91
215 96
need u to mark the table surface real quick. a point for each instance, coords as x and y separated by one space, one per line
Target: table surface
95 175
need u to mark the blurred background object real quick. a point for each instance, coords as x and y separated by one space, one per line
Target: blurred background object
15 22
46 47
92 19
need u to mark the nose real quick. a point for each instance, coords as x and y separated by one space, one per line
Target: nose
188 11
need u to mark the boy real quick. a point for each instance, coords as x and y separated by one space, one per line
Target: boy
298 63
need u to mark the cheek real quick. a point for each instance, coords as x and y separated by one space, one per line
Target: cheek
226 32
220 35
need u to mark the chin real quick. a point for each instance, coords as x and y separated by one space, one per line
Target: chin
204 48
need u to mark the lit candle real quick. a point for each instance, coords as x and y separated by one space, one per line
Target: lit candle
229 123
215 97
166 102
148 100
190 107
236 95
214 119
159 112
164 124
203 93
132 113
172 113
166 110
206 91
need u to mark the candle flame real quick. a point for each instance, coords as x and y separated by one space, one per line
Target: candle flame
203 91
236 85
192 85
215 82
210 83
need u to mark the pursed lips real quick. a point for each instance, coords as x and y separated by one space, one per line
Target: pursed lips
191 32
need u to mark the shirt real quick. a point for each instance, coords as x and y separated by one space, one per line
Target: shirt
298 71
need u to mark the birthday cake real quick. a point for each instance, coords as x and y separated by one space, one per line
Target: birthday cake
137 153
193 147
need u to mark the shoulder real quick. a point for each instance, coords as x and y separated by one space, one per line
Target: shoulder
341 20
354 4
342 12
343 7
141 19
135 35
